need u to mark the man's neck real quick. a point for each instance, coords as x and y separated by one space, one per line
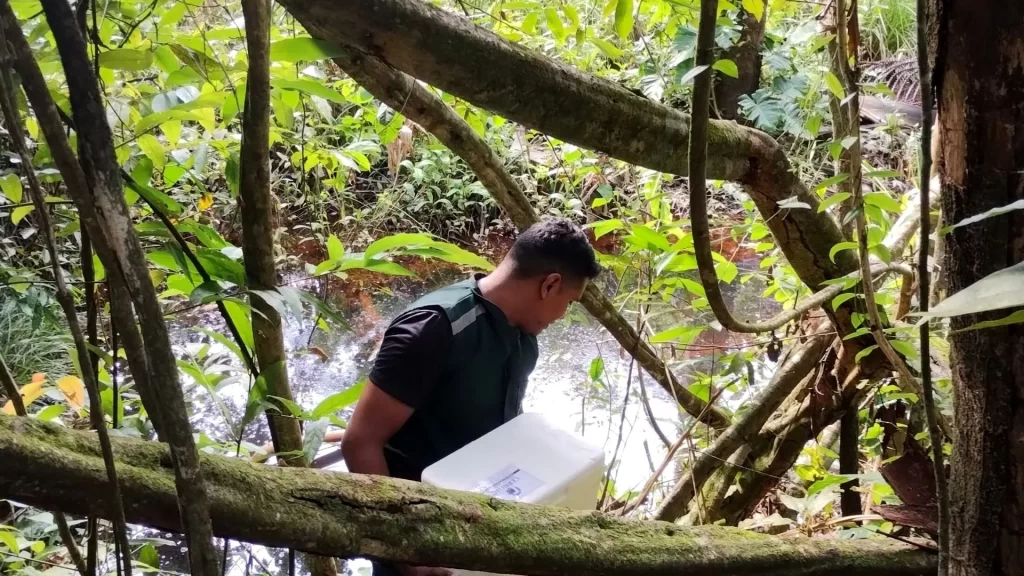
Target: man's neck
499 288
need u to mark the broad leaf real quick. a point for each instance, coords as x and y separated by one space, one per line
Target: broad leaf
19 213
727 67
220 267
839 300
623 18
313 437
996 291
126 59
650 237
335 249
310 87
864 353
681 334
336 402
1015 318
1018 205
755 8
693 73
838 178
883 201
832 200
839 248
834 85
389 243
304 49
905 348
73 390
156 199
11 186
555 24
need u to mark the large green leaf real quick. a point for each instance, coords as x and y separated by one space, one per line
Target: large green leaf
336 402
19 213
555 23
839 248
313 437
151 121
126 59
310 87
997 291
755 8
403 240
883 201
727 67
623 18
650 237
681 334
160 201
11 186
302 49
220 267
153 150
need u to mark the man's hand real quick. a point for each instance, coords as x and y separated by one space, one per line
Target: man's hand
424 571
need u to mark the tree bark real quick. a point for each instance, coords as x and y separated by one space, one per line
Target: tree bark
978 80
746 53
258 247
403 93
849 460
351 515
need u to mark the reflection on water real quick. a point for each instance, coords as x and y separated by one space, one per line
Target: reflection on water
561 388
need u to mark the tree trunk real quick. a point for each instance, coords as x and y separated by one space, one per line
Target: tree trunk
849 459
746 53
979 82
348 515
258 246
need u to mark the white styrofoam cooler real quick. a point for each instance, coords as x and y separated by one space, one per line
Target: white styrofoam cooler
525 460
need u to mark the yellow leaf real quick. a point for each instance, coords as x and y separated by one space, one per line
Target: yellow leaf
29 393
205 202
39 377
73 390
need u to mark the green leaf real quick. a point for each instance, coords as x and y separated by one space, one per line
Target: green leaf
153 150
555 24
623 18
610 50
573 15
1015 318
726 271
19 213
148 554
727 67
863 353
335 249
388 267
680 334
322 308
905 348
827 482
529 24
1018 205
126 59
839 248
605 226
832 200
220 267
834 85
147 123
650 237
881 174
313 437
838 300
302 49
882 251
996 291
310 87
11 186
291 407
9 540
596 369
336 402
838 178
857 334
239 314
232 175
404 240
51 412
157 199
755 8
883 201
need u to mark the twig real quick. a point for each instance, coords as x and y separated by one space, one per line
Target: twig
622 424
67 303
923 289
650 413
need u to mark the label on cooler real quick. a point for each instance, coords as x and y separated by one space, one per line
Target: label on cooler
510 483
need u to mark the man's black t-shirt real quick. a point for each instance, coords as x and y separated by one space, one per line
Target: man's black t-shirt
412 356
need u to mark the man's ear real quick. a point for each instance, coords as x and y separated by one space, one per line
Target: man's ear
550 285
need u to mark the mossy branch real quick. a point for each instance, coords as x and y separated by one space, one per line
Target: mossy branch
349 515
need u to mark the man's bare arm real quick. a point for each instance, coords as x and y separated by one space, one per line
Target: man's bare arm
377 418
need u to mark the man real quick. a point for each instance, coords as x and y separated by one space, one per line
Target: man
454 365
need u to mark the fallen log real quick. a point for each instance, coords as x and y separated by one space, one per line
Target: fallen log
348 515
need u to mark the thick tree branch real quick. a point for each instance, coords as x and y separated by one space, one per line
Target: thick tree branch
67 304
453 54
414 101
350 515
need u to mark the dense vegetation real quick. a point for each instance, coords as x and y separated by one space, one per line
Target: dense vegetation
366 199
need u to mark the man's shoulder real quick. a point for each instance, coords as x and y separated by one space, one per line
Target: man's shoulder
454 300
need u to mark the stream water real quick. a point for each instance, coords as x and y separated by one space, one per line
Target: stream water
560 388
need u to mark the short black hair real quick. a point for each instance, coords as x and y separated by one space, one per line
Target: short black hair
554 245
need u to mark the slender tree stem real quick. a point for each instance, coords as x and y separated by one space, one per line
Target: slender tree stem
932 411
